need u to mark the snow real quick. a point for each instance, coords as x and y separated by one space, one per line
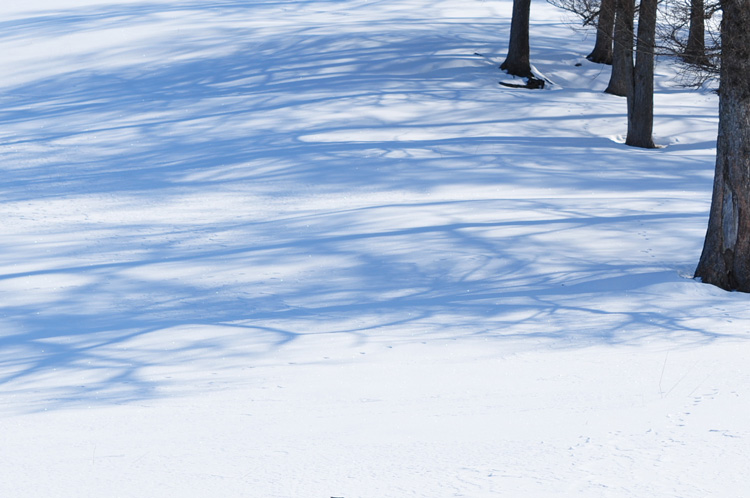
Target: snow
312 248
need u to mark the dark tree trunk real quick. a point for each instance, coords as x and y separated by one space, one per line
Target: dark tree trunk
725 260
517 62
621 80
605 27
695 52
641 99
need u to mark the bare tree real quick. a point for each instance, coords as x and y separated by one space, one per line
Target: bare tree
621 79
517 61
605 27
689 30
695 51
601 12
641 97
725 260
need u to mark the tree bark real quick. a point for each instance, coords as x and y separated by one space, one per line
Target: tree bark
725 260
605 26
517 62
641 98
695 51
621 79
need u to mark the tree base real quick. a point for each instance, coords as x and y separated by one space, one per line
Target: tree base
722 279
642 143
598 58
616 91
520 69
697 59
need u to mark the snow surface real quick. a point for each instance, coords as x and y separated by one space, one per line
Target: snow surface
289 248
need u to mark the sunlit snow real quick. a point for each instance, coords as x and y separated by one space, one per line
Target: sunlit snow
310 249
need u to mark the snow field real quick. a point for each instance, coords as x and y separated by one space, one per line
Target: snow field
311 248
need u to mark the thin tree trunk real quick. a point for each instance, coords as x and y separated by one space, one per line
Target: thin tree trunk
621 79
605 27
695 52
641 99
517 62
725 260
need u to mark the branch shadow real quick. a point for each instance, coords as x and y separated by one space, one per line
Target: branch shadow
182 216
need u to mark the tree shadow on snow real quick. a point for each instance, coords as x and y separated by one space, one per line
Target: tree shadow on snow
130 286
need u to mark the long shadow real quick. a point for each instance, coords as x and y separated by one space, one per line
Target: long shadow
386 110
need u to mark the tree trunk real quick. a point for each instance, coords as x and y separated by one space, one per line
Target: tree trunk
517 62
695 52
605 26
641 99
621 80
725 260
